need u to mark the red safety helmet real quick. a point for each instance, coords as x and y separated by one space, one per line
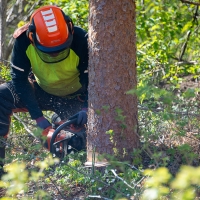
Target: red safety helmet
51 32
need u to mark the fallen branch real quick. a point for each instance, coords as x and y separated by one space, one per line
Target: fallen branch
185 113
56 187
26 128
113 171
189 2
95 179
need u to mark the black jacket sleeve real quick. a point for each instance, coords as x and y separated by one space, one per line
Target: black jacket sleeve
80 45
20 69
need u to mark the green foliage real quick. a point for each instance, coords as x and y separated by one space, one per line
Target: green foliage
111 134
106 108
4 72
162 30
120 117
17 176
157 183
76 9
146 91
111 183
160 184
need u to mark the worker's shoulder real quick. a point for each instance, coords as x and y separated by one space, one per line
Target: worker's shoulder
21 39
79 44
79 32
19 31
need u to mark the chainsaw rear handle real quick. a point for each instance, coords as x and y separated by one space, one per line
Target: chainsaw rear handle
56 132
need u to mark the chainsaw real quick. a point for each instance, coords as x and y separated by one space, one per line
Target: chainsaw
65 137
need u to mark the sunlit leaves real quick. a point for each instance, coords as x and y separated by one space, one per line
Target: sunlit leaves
5 72
17 177
162 29
160 183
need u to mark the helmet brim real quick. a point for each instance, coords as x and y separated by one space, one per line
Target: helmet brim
55 49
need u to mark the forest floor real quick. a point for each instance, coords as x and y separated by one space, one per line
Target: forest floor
78 192
189 82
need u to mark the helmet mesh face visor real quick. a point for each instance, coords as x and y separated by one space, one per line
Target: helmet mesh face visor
53 57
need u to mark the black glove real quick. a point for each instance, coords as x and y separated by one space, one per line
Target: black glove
81 117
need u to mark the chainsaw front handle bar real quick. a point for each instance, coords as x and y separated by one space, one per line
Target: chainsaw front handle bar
67 123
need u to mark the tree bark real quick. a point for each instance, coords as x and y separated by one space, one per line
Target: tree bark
112 115
3 6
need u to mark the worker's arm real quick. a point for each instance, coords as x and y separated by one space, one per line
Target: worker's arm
19 71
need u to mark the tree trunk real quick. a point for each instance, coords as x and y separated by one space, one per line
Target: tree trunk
3 6
112 115
15 14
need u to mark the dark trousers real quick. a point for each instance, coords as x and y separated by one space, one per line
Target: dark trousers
10 102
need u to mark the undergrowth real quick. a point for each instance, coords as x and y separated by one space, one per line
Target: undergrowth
165 165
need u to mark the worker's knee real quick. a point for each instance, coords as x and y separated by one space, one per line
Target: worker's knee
4 129
6 106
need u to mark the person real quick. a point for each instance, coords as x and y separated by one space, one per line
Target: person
49 65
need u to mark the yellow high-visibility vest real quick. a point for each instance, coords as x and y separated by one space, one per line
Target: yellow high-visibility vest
60 78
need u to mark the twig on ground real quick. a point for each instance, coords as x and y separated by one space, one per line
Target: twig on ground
27 129
56 188
96 179
174 112
98 197
189 2
139 181
113 171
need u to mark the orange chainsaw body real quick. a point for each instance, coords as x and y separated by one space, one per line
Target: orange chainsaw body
60 136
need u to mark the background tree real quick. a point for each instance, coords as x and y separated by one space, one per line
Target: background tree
18 13
112 119
3 7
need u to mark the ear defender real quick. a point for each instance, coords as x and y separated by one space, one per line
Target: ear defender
30 31
70 27
69 23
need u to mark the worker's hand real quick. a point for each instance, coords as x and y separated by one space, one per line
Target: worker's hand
45 132
42 122
81 117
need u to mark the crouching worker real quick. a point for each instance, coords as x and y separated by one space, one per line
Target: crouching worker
56 53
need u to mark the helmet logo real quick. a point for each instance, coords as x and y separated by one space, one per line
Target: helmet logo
49 20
